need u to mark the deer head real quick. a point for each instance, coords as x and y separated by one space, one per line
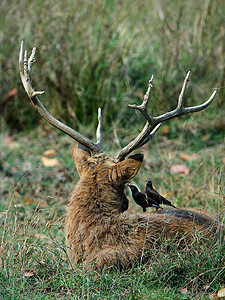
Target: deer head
101 178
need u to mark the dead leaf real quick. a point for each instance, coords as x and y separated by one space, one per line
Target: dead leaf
40 236
42 204
50 162
10 143
221 293
28 273
206 137
165 130
212 296
46 127
27 200
223 160
187 157
183 291
50 152
11 93
181 169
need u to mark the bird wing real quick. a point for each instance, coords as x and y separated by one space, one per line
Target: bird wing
155 196
141 198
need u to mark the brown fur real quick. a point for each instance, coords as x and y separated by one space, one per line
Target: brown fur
99 234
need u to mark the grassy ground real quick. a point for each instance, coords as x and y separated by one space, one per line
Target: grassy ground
34 263
103 55
105 52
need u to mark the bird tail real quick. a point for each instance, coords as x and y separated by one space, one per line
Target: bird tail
167 202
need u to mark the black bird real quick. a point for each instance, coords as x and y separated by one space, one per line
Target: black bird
153 195
153 203
141 198
125 203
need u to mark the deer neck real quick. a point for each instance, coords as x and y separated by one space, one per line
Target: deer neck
93 198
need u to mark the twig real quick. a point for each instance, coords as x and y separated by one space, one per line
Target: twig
219 203
222 268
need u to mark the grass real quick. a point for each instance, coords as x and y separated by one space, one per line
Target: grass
34 264
104 54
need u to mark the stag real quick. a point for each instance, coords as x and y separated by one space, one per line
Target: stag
97 231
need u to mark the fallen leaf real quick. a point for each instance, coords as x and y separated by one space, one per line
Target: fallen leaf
181 169
50 162
50 152
27 200
187 157
10 143
43 203
165 130
221 293
183 291
40 236
8 139
206 137
46 127
28 273
212 296
12 92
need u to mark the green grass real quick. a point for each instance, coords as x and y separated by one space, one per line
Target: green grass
34 264
102 53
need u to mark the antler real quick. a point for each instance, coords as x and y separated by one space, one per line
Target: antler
25 69
150 128
153 123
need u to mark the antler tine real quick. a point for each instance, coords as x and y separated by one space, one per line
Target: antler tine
31 60
143 107
154 123
180 109
181 96
99 128
147 132
25 68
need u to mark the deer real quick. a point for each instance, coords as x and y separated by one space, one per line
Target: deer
99 233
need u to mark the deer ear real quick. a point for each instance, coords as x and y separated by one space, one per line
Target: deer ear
126 169
80 154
